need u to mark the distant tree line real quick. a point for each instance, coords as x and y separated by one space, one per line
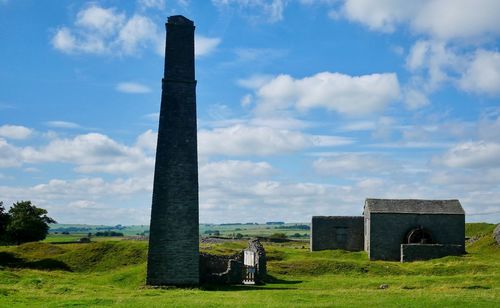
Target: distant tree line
23 223
108 233
298 227
67 230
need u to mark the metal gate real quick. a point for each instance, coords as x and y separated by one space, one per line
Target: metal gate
249 267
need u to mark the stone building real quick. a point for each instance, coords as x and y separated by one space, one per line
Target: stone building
173 256
337 232
410 230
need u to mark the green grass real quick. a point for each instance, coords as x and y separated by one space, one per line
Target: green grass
110 273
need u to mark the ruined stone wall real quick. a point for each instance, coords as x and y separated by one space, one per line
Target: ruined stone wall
261 260
496 234
415 252
388 231
230 269
221 269
337 232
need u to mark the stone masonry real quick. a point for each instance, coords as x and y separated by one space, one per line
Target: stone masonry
173 257
418 252
391 222
337 232
230 269
496 234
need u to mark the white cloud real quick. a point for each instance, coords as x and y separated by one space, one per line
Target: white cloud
489 127
256 10
77 200
434 63
246 100
10 156
152 116
138 32
62 124
132 87
64 40
15 132
205 45
107 31
415 99
99 19
379 15
91 153
342 164
255 81
233 169
352 95
99 30
253 140
483 73
441 19
471 155
448 19
147 140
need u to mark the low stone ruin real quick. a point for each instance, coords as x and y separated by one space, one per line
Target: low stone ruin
232 269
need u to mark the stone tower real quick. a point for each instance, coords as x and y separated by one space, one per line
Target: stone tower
173 257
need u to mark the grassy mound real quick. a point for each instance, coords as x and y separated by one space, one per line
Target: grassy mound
478 229
92 257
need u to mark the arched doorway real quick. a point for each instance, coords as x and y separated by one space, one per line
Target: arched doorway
418 236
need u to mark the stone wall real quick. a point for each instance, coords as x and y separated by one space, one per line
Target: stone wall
216 269
221 269
337 232
415 252
261 260
496 234
387 232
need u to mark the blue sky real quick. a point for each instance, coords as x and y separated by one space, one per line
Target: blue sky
304 107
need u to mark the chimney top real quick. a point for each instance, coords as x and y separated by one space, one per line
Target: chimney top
180 20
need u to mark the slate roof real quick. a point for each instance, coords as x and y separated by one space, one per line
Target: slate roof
413 206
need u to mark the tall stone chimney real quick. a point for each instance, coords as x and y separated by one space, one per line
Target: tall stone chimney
173 257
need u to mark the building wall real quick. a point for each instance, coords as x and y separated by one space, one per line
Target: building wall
388 231
367 232
337 232
414 252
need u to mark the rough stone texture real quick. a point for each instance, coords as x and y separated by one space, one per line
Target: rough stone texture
221 269
415 252
260 260
337 232
496 234
386 231
173 257
230 269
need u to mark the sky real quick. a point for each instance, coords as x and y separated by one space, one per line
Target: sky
304 107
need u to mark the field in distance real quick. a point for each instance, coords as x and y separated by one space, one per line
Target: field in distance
74 232
106 273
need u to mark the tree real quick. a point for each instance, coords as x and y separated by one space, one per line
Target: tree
278 236
28 223
4 221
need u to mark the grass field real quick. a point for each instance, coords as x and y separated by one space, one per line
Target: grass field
108 273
